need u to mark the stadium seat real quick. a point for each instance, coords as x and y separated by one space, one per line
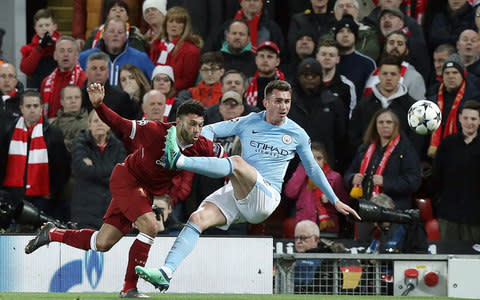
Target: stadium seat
288 228
425 207
432 229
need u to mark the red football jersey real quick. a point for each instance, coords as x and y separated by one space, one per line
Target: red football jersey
144 162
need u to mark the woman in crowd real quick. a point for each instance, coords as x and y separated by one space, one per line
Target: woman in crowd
135 84
178 47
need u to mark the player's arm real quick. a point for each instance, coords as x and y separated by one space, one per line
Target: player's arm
316 174
222 129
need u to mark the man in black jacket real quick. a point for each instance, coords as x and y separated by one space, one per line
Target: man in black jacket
10 104
34 163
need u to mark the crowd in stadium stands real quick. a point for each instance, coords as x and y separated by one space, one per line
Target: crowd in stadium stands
355 68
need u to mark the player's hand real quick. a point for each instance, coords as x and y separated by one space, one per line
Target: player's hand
346 210
96 93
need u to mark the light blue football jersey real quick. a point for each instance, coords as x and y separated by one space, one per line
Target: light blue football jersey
270 148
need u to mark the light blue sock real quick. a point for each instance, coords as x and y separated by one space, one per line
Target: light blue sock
208 166
183 245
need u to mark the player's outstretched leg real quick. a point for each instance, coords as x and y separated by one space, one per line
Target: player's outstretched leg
42 238
156 277
172 152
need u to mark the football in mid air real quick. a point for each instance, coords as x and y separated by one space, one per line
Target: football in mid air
424 117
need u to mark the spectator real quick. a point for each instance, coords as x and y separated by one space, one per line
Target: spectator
307 236
318 18
455 89
37 57
455 178
114 43
71 117
467 47
209 89
391 237
440 56
41 178
115 98
317 110
388 93
10 106
328 56
392 19
154 12
305 46
68 71
367 41
353 65
311 203
117 9
163 80
267 60
446 20
95 152
134 83
237 48
385 162
261 26
396 45
178 47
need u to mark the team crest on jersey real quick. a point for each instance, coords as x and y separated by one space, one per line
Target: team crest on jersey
235 120
142 122
287 139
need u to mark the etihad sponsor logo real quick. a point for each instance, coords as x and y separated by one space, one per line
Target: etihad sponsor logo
268 149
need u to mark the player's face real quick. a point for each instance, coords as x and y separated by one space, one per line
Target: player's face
72 100
470 121
344 7
328 57
385 126
277 106
319 158
189 128
266 62
44 25
65 55
396 45
389 76
31 110
452 78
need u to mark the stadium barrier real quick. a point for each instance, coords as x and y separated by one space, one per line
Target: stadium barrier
217 265
377 274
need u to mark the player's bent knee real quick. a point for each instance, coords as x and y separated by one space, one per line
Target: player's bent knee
103 246
200 219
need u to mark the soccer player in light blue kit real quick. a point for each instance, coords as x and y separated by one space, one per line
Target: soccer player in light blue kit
269 141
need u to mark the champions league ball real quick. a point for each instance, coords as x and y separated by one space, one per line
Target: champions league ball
424 117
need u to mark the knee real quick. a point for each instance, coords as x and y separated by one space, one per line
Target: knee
103 245
199 219
151 227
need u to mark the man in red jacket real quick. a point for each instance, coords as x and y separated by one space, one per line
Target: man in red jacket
133 184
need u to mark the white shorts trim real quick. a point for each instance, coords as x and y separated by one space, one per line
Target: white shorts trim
259 204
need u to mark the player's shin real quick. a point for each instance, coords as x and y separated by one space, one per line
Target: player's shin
208 166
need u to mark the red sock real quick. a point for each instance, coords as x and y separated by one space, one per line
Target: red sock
137 257
76 238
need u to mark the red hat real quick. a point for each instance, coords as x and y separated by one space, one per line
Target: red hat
271 45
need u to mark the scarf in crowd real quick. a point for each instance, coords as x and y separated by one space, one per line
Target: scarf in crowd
49 89
6 97
252 90
36 40
99 34
253 24
357 190
161 50
374 80
38 177
324 220
168 107
451 123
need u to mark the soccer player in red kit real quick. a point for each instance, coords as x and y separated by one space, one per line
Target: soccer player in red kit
133 184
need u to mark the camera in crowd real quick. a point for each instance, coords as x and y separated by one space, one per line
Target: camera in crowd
371 211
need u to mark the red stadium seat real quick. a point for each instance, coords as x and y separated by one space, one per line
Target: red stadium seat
288 228
433 232
425 207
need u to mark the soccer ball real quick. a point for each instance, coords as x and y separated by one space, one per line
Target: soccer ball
424 117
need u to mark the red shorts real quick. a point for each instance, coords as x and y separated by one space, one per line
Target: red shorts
129 200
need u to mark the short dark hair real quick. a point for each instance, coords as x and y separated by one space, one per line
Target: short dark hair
398 32
70 85
43 13
234 71
327 43
31 93
244 22
112 3
191 107
470 104
98 56
280 85
449 48
212 57
390 60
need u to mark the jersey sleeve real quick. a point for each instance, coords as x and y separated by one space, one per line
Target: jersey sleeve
205 147
313 169
224 128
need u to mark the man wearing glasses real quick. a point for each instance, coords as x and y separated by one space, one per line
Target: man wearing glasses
307 236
